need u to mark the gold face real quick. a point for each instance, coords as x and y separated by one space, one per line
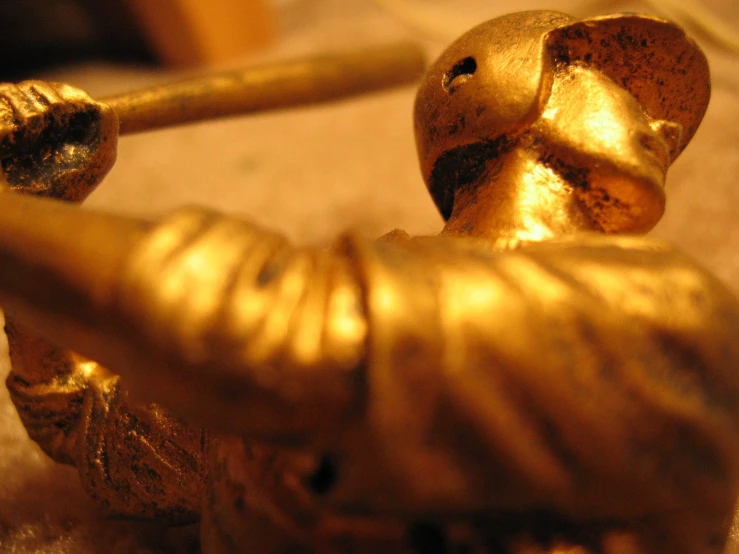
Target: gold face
487 89
593 128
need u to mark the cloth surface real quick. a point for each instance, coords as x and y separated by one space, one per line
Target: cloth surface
312 173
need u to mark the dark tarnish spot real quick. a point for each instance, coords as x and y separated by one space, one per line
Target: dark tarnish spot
136 424
83 126
427 537
325 477
560 53
270 271
152 479
105 463
545 528
460 166
578 177
688 373
458 126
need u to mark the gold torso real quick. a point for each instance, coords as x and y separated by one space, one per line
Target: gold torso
472 362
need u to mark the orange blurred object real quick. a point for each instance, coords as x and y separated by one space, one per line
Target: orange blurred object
191 32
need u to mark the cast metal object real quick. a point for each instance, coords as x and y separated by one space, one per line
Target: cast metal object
56 141
537 379
300 82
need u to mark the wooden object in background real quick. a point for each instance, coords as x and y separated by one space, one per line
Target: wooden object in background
193 32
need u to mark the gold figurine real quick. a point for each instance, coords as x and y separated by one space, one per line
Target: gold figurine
527 382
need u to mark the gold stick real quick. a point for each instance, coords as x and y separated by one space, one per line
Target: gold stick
310 80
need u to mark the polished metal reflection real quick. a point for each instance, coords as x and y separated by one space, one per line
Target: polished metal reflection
537 379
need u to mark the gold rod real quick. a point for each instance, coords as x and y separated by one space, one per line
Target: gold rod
305 81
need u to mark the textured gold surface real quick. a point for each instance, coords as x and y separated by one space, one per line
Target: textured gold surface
522 384
133 459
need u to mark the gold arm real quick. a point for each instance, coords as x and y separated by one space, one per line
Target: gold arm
299 82
59 273
117 290
59 266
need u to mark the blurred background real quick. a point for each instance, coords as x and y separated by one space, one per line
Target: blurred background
310 173
37 34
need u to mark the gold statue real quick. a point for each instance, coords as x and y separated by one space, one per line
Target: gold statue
525 383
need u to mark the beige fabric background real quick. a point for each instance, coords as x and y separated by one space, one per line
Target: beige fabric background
312 173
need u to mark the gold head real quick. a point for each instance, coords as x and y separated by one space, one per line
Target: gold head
603 105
